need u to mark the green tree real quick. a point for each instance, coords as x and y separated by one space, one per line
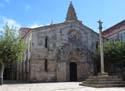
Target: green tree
114 52
11 49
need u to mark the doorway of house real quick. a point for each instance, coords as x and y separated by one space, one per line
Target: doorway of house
73 71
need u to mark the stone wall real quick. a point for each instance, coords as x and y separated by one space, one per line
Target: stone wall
66 42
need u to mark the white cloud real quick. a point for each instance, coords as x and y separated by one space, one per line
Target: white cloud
10 22
35 25
27 7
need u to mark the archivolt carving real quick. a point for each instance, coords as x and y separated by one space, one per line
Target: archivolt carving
67 52
73 35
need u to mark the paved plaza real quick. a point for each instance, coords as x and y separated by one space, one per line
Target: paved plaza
61 86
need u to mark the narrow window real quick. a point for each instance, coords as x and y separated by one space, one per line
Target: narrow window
46 42
46 64
97 43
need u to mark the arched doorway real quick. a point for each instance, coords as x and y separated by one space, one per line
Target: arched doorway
73 71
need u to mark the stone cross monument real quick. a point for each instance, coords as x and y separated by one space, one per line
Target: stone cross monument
101 47
103 79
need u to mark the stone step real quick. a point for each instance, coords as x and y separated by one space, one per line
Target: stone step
104 79
103 85
104 82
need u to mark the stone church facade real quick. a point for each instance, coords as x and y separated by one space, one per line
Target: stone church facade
58 52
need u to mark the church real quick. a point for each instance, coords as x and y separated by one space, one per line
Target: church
58 52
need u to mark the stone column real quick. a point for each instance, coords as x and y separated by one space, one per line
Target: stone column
101 47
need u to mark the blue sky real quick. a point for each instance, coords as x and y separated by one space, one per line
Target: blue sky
31 13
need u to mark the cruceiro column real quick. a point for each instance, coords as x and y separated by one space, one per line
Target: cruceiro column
101 47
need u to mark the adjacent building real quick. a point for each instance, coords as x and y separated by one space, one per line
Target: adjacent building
116 32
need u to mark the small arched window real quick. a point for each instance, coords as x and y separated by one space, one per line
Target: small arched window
46 65
46 42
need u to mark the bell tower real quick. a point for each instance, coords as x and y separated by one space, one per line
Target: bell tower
71 14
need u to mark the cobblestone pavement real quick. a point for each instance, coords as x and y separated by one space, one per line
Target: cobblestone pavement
61 86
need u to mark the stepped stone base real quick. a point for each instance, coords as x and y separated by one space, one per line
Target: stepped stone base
103 81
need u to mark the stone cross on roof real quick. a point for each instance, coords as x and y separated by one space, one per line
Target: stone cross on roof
100 24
